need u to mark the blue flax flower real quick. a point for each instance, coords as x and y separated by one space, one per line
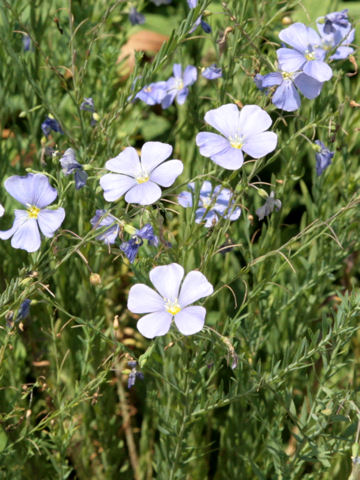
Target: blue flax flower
323 157
305 55
71 165
26 41
135 17
213 204
139 179
131 247
24 310
104 219
211 73
336 33
199 21
88 105
35 193
271 203
153 94
286 95
170 301
134 374
50 124
177 86
243 130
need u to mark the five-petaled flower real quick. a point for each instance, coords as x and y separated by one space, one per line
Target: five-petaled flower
101 219
170 301
177 86
140 179
213 203
35 193
243 130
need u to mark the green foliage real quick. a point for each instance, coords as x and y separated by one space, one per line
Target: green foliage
269 388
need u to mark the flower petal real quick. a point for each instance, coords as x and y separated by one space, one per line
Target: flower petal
290 60
190 320
154 324
177 70
211 143
50 220
299 36
32 189
181 96
271 79
143 299
143 193
253 119
231 159
195 286
286 97
190 75
20 217
127 162
185 199
166 279
27 236
115 185
261 144
308 86
224 119
154 153
318 70
166 173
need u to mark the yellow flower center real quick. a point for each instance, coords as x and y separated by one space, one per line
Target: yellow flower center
206 202
287 75
142 177
172 307
310 56
33 211
148 89
236 142
179 84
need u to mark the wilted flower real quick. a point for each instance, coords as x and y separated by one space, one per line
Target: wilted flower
336 33
213 204
71 165
306 54
153 93
242 130
212 72
88 105
271 203
50 124
131 247
135 17
199 21
35 192
170 301
24 310
134 374
26 41
286 95
177 86
104 219
323 157
140 179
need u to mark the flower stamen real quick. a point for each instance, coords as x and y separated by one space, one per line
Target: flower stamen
236 141
142 177
172 307
33 211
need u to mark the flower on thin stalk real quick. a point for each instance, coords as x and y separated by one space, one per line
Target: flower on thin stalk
172 300
337 34
135 17
212 73
134 374
24 310
241 131
213 204
271 203
177 86
199 21
131 247
137 179
104 219
71 165
35 193
323 157
50 124
305 55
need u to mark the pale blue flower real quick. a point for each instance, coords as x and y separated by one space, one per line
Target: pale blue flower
211 73
153 94
35 193
137 179
243 130
71 165
337 34
171 300
50 124
177 86
104 219
131 247
213 204
306 53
